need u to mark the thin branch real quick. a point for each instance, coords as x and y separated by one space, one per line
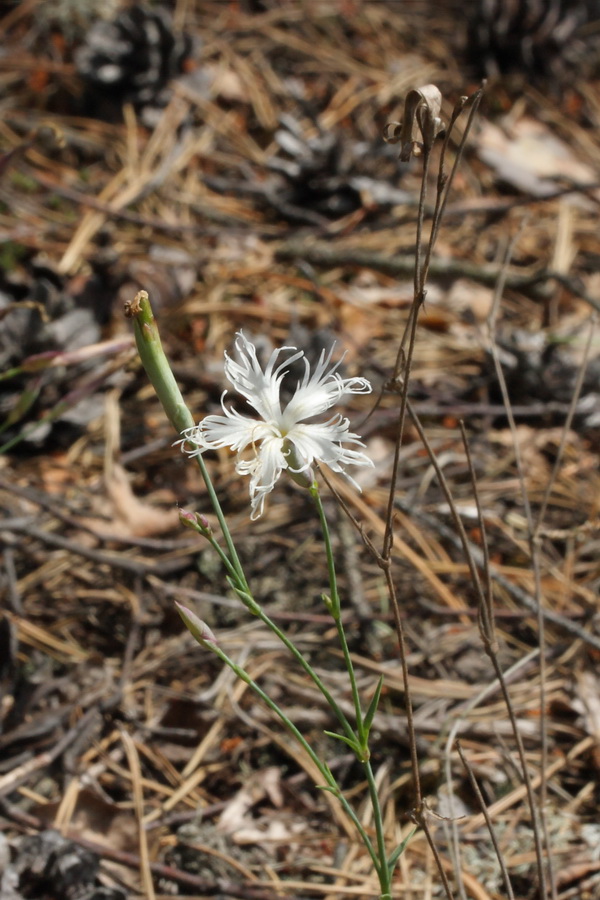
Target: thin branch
490 646
567 426
488 821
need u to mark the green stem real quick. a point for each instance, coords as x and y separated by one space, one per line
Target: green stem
227 564
311 674
214 500
385 875
324 770
335 609
258 611
161 377
382 868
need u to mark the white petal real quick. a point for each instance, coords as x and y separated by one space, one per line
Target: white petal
266 469
231 430
323 444
261 389
320 391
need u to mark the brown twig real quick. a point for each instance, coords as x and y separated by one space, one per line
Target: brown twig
486 625
488 821
24 525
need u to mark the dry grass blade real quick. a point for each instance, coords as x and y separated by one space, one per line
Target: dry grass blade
138 797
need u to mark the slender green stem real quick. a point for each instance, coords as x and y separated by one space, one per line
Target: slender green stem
333 589
258 611
159 372
363 737
311 674
330 782
214 500
227 564
385 876
335 609
383 871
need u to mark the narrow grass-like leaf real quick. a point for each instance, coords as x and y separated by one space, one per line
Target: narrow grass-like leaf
354 746
370 715
397 853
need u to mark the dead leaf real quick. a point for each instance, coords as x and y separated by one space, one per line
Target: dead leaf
125 515
273 831
529 157
265 783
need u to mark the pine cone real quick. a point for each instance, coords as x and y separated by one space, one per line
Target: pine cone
132 58
540 37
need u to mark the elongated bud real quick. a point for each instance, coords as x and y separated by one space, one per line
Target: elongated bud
188 519
328 603
302 476
197 628
195 522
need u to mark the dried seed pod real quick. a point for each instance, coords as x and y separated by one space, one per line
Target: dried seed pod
420 125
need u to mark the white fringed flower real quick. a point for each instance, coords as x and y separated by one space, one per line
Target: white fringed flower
281 438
